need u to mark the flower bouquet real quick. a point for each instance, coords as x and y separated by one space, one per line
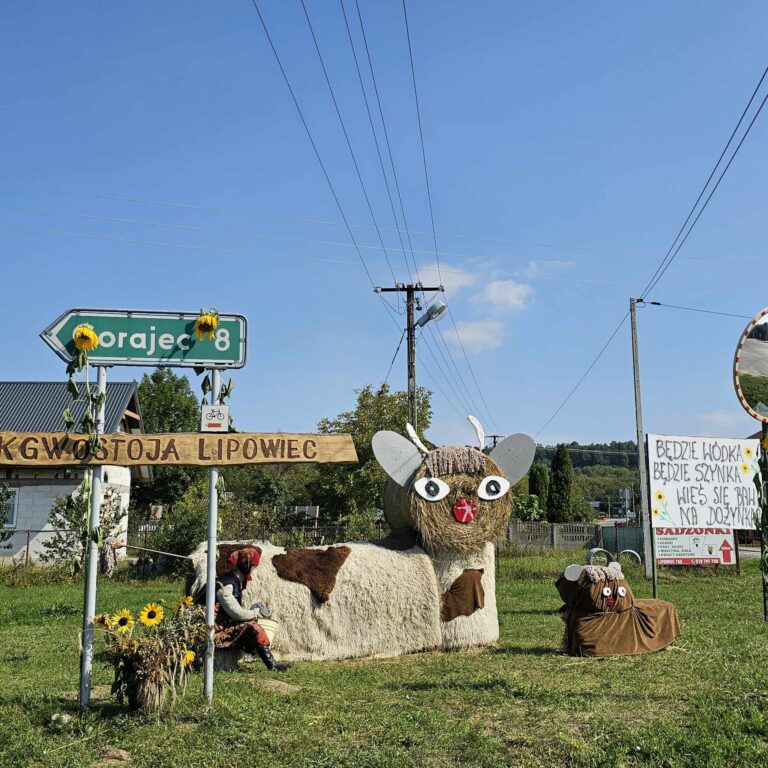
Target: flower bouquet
152 656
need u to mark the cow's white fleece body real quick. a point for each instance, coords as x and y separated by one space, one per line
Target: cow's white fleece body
385 603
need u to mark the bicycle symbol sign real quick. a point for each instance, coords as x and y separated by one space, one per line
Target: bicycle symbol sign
214 418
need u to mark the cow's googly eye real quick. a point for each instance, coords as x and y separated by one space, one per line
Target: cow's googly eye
431 488
622 591
492 487
607 591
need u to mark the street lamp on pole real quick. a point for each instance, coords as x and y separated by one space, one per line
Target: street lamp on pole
434 312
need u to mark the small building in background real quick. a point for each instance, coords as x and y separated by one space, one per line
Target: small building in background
37 406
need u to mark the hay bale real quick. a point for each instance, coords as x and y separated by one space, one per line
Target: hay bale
462 468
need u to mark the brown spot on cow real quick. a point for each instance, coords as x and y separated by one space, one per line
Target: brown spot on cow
316 569
465 595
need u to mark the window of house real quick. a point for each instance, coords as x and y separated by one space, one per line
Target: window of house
9 499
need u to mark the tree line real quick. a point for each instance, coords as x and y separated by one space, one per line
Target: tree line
558 487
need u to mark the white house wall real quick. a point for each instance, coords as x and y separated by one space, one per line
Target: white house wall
37 493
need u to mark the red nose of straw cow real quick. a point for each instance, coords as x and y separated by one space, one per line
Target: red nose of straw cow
464 510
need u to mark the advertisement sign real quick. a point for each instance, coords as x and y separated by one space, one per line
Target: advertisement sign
703 481
695 546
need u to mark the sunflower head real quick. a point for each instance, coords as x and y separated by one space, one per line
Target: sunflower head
103 621
123 621
185 601
187 658
659 496
748 452
744 468
656 512
207 322
85 338
151 614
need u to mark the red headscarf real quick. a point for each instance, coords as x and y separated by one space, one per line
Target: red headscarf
244 560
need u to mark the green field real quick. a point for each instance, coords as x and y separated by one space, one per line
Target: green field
522 703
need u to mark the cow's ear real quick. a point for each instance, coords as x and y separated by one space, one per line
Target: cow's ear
398 457
515 456
572 572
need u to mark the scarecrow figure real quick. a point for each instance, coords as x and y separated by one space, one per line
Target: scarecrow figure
602 617
235 626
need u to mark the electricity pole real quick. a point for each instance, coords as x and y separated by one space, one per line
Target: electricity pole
411 304
646 524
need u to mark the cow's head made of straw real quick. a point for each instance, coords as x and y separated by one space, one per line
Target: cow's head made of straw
456 497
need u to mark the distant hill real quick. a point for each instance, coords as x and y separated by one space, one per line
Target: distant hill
601 470
613 454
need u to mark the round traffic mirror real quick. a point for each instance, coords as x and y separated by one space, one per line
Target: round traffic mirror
750 367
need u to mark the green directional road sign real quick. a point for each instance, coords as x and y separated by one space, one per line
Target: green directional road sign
128 337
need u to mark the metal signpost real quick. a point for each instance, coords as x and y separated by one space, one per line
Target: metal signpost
135 337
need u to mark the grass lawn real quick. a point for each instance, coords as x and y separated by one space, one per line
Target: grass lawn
522 703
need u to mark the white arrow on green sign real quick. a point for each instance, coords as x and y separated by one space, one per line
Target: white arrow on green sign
134 337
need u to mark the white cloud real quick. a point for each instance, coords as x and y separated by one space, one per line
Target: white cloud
477 335
453 278
725 422
507 294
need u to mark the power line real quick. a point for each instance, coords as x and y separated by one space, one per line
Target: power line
397 186
447 375
384 128
299 220
250 254
669 256
394 357
584 375
421 137
340 244
432 213
696 309
316 151
375 140
346 137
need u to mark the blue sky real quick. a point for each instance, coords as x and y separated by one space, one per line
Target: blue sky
565 143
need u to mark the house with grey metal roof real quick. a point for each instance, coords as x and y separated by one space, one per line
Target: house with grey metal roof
37 406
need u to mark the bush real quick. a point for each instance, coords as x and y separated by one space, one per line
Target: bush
69 517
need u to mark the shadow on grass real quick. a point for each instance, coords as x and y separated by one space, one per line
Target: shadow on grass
519 650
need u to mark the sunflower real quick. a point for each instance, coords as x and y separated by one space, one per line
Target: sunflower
85 338
123 621
103 621
744 468
659 496
656 512
748 452
151 614
206 323
185 601
187 658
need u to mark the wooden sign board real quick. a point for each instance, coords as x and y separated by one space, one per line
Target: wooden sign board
59 449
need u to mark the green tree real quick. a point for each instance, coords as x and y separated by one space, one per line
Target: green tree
561 482
167 405
538 482
343 490
69 520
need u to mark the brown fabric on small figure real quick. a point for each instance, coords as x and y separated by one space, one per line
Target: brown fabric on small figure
602 617
316 569
465 595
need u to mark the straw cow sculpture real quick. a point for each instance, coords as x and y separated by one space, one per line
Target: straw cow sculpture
429 585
